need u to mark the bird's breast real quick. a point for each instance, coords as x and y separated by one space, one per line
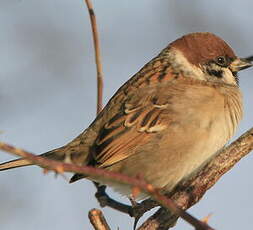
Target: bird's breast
209 120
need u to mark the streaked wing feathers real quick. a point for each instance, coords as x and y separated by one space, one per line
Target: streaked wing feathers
143 114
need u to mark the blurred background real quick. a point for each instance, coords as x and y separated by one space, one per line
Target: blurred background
48 96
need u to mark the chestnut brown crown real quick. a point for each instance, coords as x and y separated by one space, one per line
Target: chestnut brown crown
199 48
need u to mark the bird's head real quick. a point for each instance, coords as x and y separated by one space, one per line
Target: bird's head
207 57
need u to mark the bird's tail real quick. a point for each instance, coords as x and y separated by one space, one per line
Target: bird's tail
55 154
14 164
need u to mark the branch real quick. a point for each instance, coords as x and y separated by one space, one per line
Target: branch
98 58
98 220
192 190
185 195
137 183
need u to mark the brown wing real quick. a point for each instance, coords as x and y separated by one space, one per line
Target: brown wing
142 114
136 113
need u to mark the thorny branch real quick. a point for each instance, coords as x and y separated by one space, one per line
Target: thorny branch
137 183
185 195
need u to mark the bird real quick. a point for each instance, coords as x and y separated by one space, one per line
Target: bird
167 121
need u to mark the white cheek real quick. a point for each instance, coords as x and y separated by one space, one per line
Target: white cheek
228 77
180 62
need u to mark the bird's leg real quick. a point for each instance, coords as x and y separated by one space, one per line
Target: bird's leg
135 210
136 215
139 209
105 200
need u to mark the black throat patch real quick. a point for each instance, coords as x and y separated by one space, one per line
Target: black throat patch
216 73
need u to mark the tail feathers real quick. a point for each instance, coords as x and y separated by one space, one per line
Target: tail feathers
14 164
76 177
55 154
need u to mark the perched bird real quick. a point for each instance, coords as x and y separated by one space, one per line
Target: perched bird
168 120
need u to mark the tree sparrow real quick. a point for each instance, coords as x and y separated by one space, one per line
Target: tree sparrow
168 120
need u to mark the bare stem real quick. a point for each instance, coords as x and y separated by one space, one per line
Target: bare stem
98 58
98 220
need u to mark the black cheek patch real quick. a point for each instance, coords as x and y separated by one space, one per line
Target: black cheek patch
216 73
236 77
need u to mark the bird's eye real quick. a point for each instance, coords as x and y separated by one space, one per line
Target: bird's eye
221 61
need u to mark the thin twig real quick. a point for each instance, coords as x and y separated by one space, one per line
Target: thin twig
100 82
98 58
60 167
98 220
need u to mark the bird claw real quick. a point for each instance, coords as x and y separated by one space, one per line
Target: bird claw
135 211
102 196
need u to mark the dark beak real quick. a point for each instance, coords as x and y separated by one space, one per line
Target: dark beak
241 63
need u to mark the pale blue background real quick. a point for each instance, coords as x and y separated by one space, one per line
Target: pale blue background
48 95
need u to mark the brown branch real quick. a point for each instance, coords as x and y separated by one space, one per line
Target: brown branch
98 58
98 220
192 190
60 167
185 195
